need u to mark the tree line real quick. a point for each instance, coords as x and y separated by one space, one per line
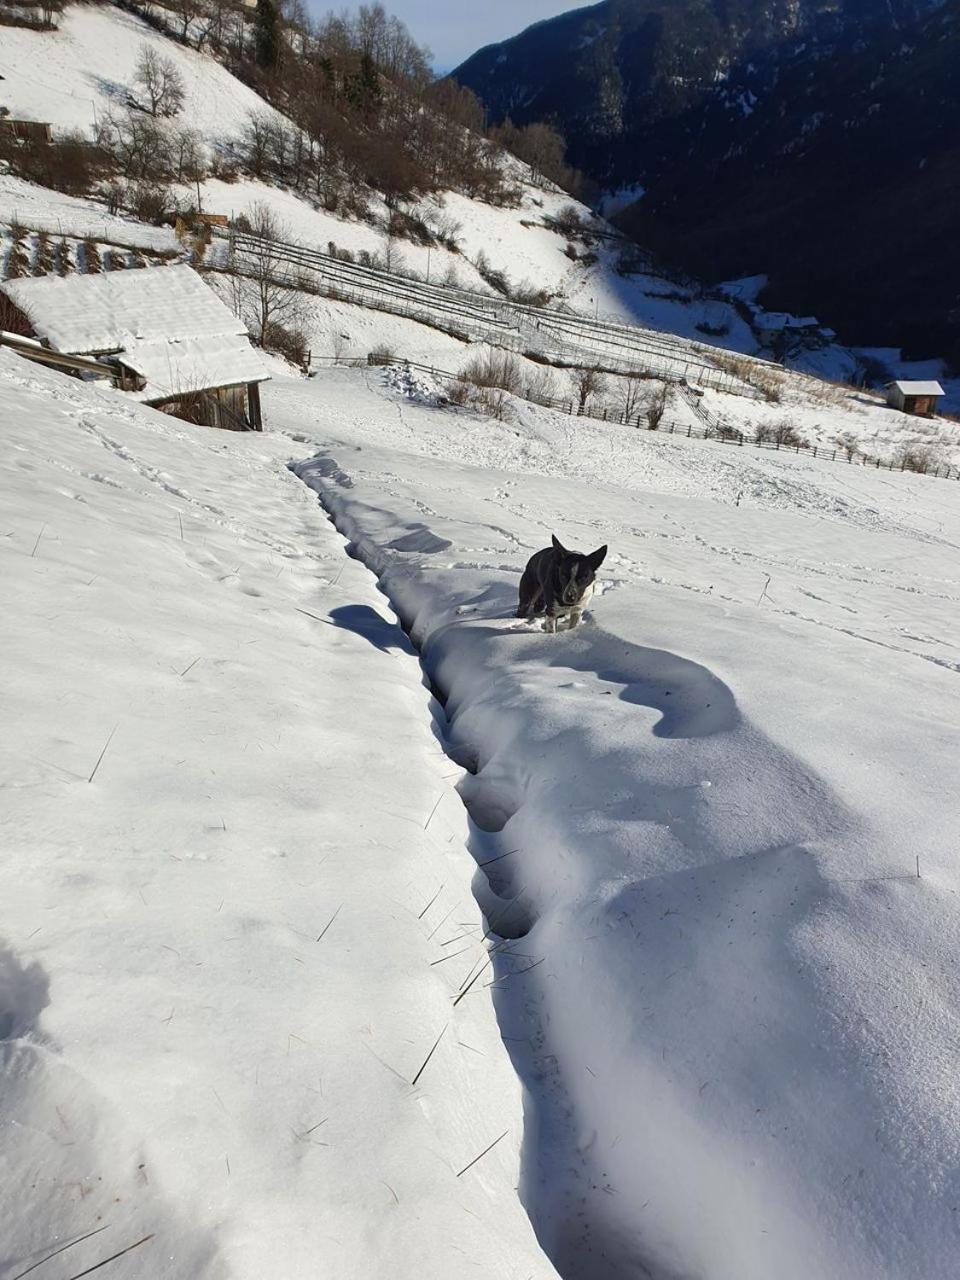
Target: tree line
363 105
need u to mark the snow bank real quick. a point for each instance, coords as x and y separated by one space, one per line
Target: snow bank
736 1007
235 906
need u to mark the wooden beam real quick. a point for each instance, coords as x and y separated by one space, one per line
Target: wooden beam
44 355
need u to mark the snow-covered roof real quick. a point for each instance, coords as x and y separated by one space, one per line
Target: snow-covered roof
747 288
918 388
163 322
776 320
193 364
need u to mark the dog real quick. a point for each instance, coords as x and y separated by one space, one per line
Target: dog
558 583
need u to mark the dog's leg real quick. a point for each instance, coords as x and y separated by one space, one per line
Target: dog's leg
530 596
574 619
550 624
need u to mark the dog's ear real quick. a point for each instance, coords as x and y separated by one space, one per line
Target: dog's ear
595 558
558 545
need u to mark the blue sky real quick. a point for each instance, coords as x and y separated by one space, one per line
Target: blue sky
453 29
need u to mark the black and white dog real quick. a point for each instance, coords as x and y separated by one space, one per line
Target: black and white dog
558 582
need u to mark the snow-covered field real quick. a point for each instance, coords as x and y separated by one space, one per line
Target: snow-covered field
709 807
228 943
331 946
243 887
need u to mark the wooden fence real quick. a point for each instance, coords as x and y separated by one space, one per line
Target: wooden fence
553 336
714 428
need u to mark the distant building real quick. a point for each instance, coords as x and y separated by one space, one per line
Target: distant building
919 398
175 345
25 130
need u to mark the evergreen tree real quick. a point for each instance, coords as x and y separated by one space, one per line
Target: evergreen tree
364 88
267 35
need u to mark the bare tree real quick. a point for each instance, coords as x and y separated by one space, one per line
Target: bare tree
259 289
587 383
539 386
656 408
630 397
138 145
159 83
187 155
187 11
538 145
782 431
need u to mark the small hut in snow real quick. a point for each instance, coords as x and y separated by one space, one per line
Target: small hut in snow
175 345
919 398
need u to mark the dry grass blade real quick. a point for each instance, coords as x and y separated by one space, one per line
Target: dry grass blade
433 811
516 974
103 753
484 959
423 1065
430 903
482 1153
471 982
63 1248
462 951
113 1257
499 858
441 923
330 922
315 618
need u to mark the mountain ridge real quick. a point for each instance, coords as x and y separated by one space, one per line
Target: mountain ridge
738 99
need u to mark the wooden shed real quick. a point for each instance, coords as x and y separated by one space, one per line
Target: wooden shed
919 398
173 343
25 130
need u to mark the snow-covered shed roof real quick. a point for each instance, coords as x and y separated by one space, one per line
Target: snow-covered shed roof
193 364
917 388
163 322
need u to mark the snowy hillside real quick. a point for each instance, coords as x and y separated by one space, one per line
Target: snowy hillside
72 76
351 927
262 893
78 76
236 903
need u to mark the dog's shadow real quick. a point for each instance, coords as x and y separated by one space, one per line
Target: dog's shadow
692 701
371 626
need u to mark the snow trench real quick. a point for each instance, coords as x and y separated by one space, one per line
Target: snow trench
648 866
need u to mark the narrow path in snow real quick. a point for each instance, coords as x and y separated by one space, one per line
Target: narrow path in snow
570 1199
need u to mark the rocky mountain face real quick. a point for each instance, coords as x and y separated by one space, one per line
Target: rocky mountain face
817 141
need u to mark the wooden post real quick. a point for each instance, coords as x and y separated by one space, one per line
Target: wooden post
253 402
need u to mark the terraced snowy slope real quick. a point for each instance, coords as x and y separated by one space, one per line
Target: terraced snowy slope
700 818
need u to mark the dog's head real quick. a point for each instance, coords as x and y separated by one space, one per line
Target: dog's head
574 572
